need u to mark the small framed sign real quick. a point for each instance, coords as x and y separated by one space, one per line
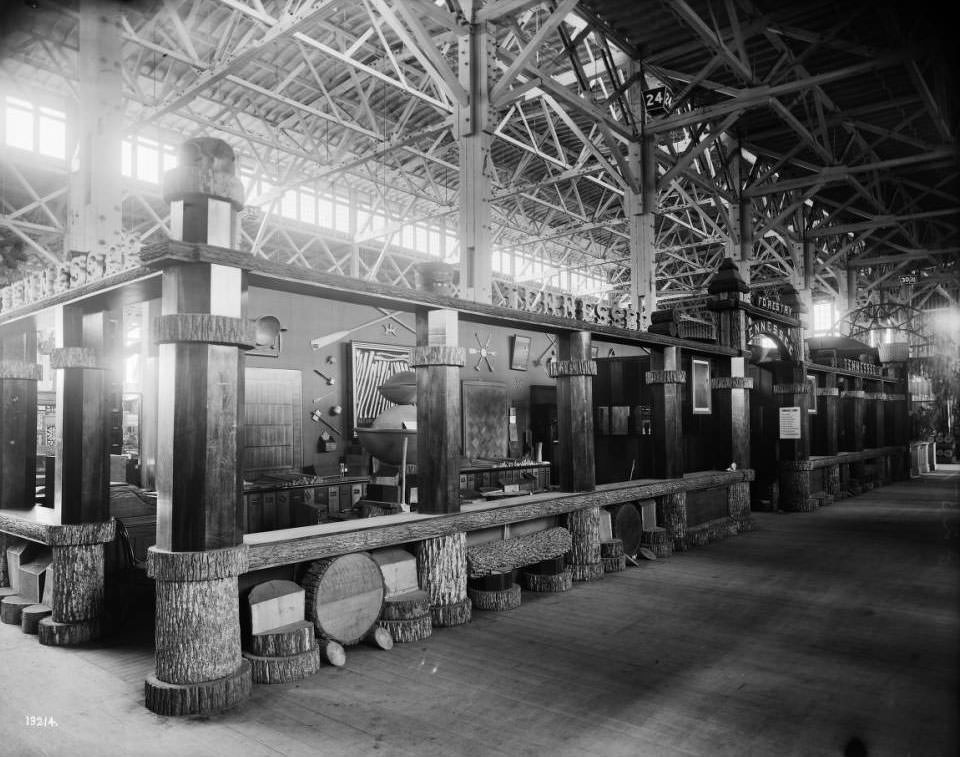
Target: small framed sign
790 427
700 381
519 352
811 394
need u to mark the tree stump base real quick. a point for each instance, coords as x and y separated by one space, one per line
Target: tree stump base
204 698
614 564
455 614
657 541
611 548
54 634
411 629
293 639
31 616
411 605
284 668
11 608
498 600
587 572
548 582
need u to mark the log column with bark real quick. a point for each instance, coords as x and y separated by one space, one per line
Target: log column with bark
437 360
852 401
665 382
584 527
672 513
442 574
828 407
731 395
201 334
19 374
738 505
574 371
795 465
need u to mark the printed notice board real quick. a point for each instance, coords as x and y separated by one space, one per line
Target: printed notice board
790 423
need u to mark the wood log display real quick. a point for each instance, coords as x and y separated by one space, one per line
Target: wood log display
31 616
78 568
274 604
614 564
549 567
505 599
344 596
492 582
54 634
7 591
548 582
333 652
611 548
627 526
210 696
406 631
295 638
584 526
442 573
410 606
4 543
284 668
672 512
379 638
505 555
12 607
657 541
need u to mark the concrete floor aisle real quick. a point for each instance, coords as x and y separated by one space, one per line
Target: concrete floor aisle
816 634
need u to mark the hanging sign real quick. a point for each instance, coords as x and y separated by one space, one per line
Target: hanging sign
657 101
908 279
790 423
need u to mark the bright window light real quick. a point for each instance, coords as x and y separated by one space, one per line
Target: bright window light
126 158
18 124
52 133
148 160
822 318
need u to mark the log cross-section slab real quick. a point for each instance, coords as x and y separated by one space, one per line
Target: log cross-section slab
508 554
344 596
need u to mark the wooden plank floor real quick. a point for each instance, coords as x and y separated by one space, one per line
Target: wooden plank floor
792 640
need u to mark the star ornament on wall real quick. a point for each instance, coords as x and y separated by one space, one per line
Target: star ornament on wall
485 353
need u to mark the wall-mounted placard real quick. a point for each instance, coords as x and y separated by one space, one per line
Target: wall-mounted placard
790 427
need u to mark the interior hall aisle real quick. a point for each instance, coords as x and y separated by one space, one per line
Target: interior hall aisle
814 630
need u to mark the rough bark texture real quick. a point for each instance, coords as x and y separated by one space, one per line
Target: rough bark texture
293 639
202 698
508 599
455 614
54 634
285 668
196 566
77 582
795 491
405 631
4 578
672 512
408 606
501 556
657 540
714 530
611 548
548 582
592 572
442 569
738 501
11 608
614 564
31 616
584 526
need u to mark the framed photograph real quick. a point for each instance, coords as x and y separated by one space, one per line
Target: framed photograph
519 352
370 366
700 386
812 394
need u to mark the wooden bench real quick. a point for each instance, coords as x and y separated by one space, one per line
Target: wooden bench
509 554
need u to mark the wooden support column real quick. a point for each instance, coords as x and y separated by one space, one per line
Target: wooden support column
584 561
19 373
201 334
731 403
738 505
832 482
442 574
574 371
795 465
640 207
828 407
672 514
852 400
665 381
437 359
473 129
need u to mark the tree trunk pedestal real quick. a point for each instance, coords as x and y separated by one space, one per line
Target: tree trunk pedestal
78 570
199 664
584 528
442 574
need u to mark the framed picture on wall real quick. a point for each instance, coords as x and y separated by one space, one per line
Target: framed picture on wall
812 394
370 366
700 386
519 352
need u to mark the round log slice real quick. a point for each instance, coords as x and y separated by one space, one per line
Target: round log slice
493 582
31 616
380 638
611 548
548 582
293 639
333 653
11 608
551 567
627 526
405 631
657 540
344 596
408 606
614 564
505 599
